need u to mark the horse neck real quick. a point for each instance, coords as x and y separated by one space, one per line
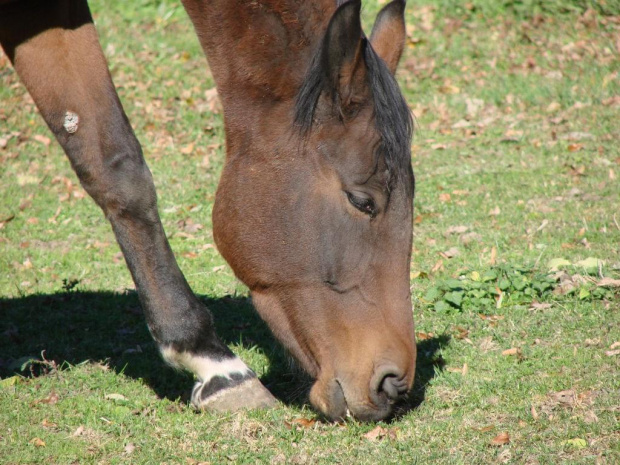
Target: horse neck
258 50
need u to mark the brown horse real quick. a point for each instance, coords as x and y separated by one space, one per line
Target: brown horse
314 208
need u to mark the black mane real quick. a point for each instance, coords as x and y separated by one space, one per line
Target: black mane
392 115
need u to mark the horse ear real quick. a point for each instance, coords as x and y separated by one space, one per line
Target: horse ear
342 53
389 34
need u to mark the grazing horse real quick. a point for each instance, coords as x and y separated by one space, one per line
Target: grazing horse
314 207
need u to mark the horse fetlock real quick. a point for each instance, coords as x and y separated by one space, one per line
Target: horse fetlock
205 367
224 383
222 394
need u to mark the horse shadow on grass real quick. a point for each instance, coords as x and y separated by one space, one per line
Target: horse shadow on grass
73 327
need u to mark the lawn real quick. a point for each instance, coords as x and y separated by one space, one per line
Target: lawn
515 272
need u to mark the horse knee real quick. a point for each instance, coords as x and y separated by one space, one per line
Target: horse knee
122 184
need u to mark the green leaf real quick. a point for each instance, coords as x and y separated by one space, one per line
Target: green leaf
557 263
490 275
541 286
504 284
577 443
432 294
8 382
454 284
584 293
442 307
591 265
454 298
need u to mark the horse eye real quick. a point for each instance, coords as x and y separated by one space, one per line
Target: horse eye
363 204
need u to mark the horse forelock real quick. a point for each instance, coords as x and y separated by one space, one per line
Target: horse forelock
392 116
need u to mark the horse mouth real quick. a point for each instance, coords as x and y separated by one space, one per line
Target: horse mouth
343 410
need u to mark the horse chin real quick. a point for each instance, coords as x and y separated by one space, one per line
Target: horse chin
329 397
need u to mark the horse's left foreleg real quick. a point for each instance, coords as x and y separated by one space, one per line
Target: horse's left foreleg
54 48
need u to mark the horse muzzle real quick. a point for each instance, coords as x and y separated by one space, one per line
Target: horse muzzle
342 397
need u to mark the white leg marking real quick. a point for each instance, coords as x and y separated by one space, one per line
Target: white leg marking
204 367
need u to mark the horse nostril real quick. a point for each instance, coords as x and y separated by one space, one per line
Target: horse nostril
390 382
390 387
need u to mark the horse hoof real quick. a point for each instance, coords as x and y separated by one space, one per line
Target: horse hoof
222 394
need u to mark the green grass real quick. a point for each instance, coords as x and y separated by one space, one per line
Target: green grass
517 145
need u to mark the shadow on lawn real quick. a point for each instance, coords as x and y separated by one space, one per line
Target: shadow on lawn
75 326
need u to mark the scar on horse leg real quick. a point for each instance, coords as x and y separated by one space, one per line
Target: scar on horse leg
55 51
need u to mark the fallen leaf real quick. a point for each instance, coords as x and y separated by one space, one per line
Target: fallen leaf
566 398
450 253
444 197
379 432
470 237
38 442
574 136
590 417
540 306
48 424
462 332
25 179
574 147
303 422
495 211
449 89
512 351
213 101
473 105
78 431
418 275
376 433
612 353
42 139
115 397
189 148
614 345
421 336
512 135
487 344
129 448
51 399
608 282
438 266
460 124
501 439
456 230
534 413
611 101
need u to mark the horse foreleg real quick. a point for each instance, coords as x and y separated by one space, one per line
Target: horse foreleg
54 48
